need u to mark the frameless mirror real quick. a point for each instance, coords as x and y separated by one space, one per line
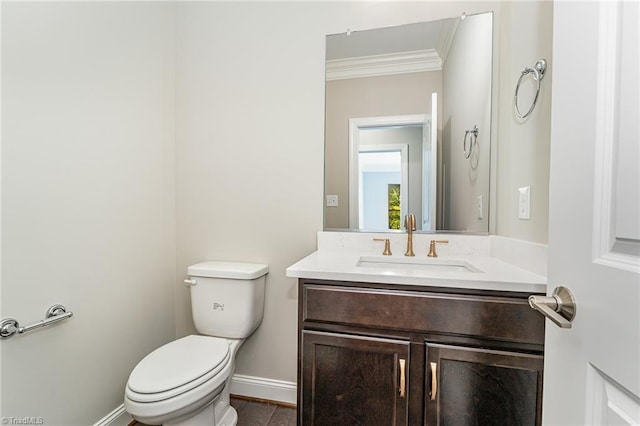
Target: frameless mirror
407 126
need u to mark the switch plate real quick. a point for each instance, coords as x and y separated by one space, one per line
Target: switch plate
332 201
479 206
524 203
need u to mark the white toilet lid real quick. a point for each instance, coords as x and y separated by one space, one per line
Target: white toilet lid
178 363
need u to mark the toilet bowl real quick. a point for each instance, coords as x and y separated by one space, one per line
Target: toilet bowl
181 378
187 381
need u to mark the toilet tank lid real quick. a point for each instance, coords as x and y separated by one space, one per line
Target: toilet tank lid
233 270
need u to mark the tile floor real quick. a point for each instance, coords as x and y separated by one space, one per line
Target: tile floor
254 413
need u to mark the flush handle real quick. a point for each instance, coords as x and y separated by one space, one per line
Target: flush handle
560 307
190 282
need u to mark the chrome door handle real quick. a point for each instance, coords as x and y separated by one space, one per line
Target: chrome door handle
560 307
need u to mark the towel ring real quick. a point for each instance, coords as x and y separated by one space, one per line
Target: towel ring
468 134
538 74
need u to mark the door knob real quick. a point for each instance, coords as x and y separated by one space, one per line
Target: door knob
560 307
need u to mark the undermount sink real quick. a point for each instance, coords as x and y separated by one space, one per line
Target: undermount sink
416 264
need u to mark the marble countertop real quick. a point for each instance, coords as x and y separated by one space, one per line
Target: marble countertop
494 273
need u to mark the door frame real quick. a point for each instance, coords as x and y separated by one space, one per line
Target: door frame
355 125
403 148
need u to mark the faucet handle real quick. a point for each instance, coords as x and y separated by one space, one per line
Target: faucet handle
432 247
387 246
410 222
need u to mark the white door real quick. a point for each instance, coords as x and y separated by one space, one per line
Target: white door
592 370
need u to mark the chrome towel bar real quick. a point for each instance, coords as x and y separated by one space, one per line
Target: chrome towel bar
9 326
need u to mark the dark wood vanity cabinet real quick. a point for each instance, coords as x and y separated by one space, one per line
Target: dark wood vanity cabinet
354 380
477 386
380 354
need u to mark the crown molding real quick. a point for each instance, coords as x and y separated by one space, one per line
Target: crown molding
445 39
379 65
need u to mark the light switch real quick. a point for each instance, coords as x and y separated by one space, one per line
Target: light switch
479 206
524 203
332 201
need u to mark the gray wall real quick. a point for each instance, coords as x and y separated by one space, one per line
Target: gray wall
466 82
526 35
87 200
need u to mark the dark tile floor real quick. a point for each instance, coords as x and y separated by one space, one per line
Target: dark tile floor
254 413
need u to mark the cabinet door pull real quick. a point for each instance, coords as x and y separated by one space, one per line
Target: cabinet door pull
434 380
403 384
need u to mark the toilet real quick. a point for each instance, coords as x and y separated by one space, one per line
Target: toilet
187 381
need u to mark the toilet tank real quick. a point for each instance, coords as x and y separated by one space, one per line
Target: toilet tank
227 298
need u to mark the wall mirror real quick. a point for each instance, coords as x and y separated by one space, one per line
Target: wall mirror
407 126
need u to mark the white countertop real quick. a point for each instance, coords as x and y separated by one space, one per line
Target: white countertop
495 274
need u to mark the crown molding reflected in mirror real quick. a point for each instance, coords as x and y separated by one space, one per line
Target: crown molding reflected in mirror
377 82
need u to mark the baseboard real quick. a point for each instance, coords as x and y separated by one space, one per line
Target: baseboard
248 386
115 418
262 388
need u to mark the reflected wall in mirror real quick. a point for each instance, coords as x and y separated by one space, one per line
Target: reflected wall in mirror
409 93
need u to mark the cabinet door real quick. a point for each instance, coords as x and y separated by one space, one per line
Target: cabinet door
353 380
469 386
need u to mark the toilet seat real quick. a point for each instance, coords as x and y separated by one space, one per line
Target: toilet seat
177 368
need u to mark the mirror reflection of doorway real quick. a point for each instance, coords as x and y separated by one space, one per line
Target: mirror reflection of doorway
381 186
395 150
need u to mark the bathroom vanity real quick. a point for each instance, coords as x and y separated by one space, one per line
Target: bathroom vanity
407 341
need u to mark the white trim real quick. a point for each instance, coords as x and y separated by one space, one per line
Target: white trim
355 124
113 416
255 387
1 315
263 388
380 65
404 176
606 141
608 400
445 39
430 167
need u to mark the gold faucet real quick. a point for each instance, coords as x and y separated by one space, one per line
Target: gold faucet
387 246
432 247
410 224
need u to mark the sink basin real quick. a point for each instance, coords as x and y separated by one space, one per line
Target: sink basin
416 264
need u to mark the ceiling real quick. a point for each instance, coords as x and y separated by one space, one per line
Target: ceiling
381 41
